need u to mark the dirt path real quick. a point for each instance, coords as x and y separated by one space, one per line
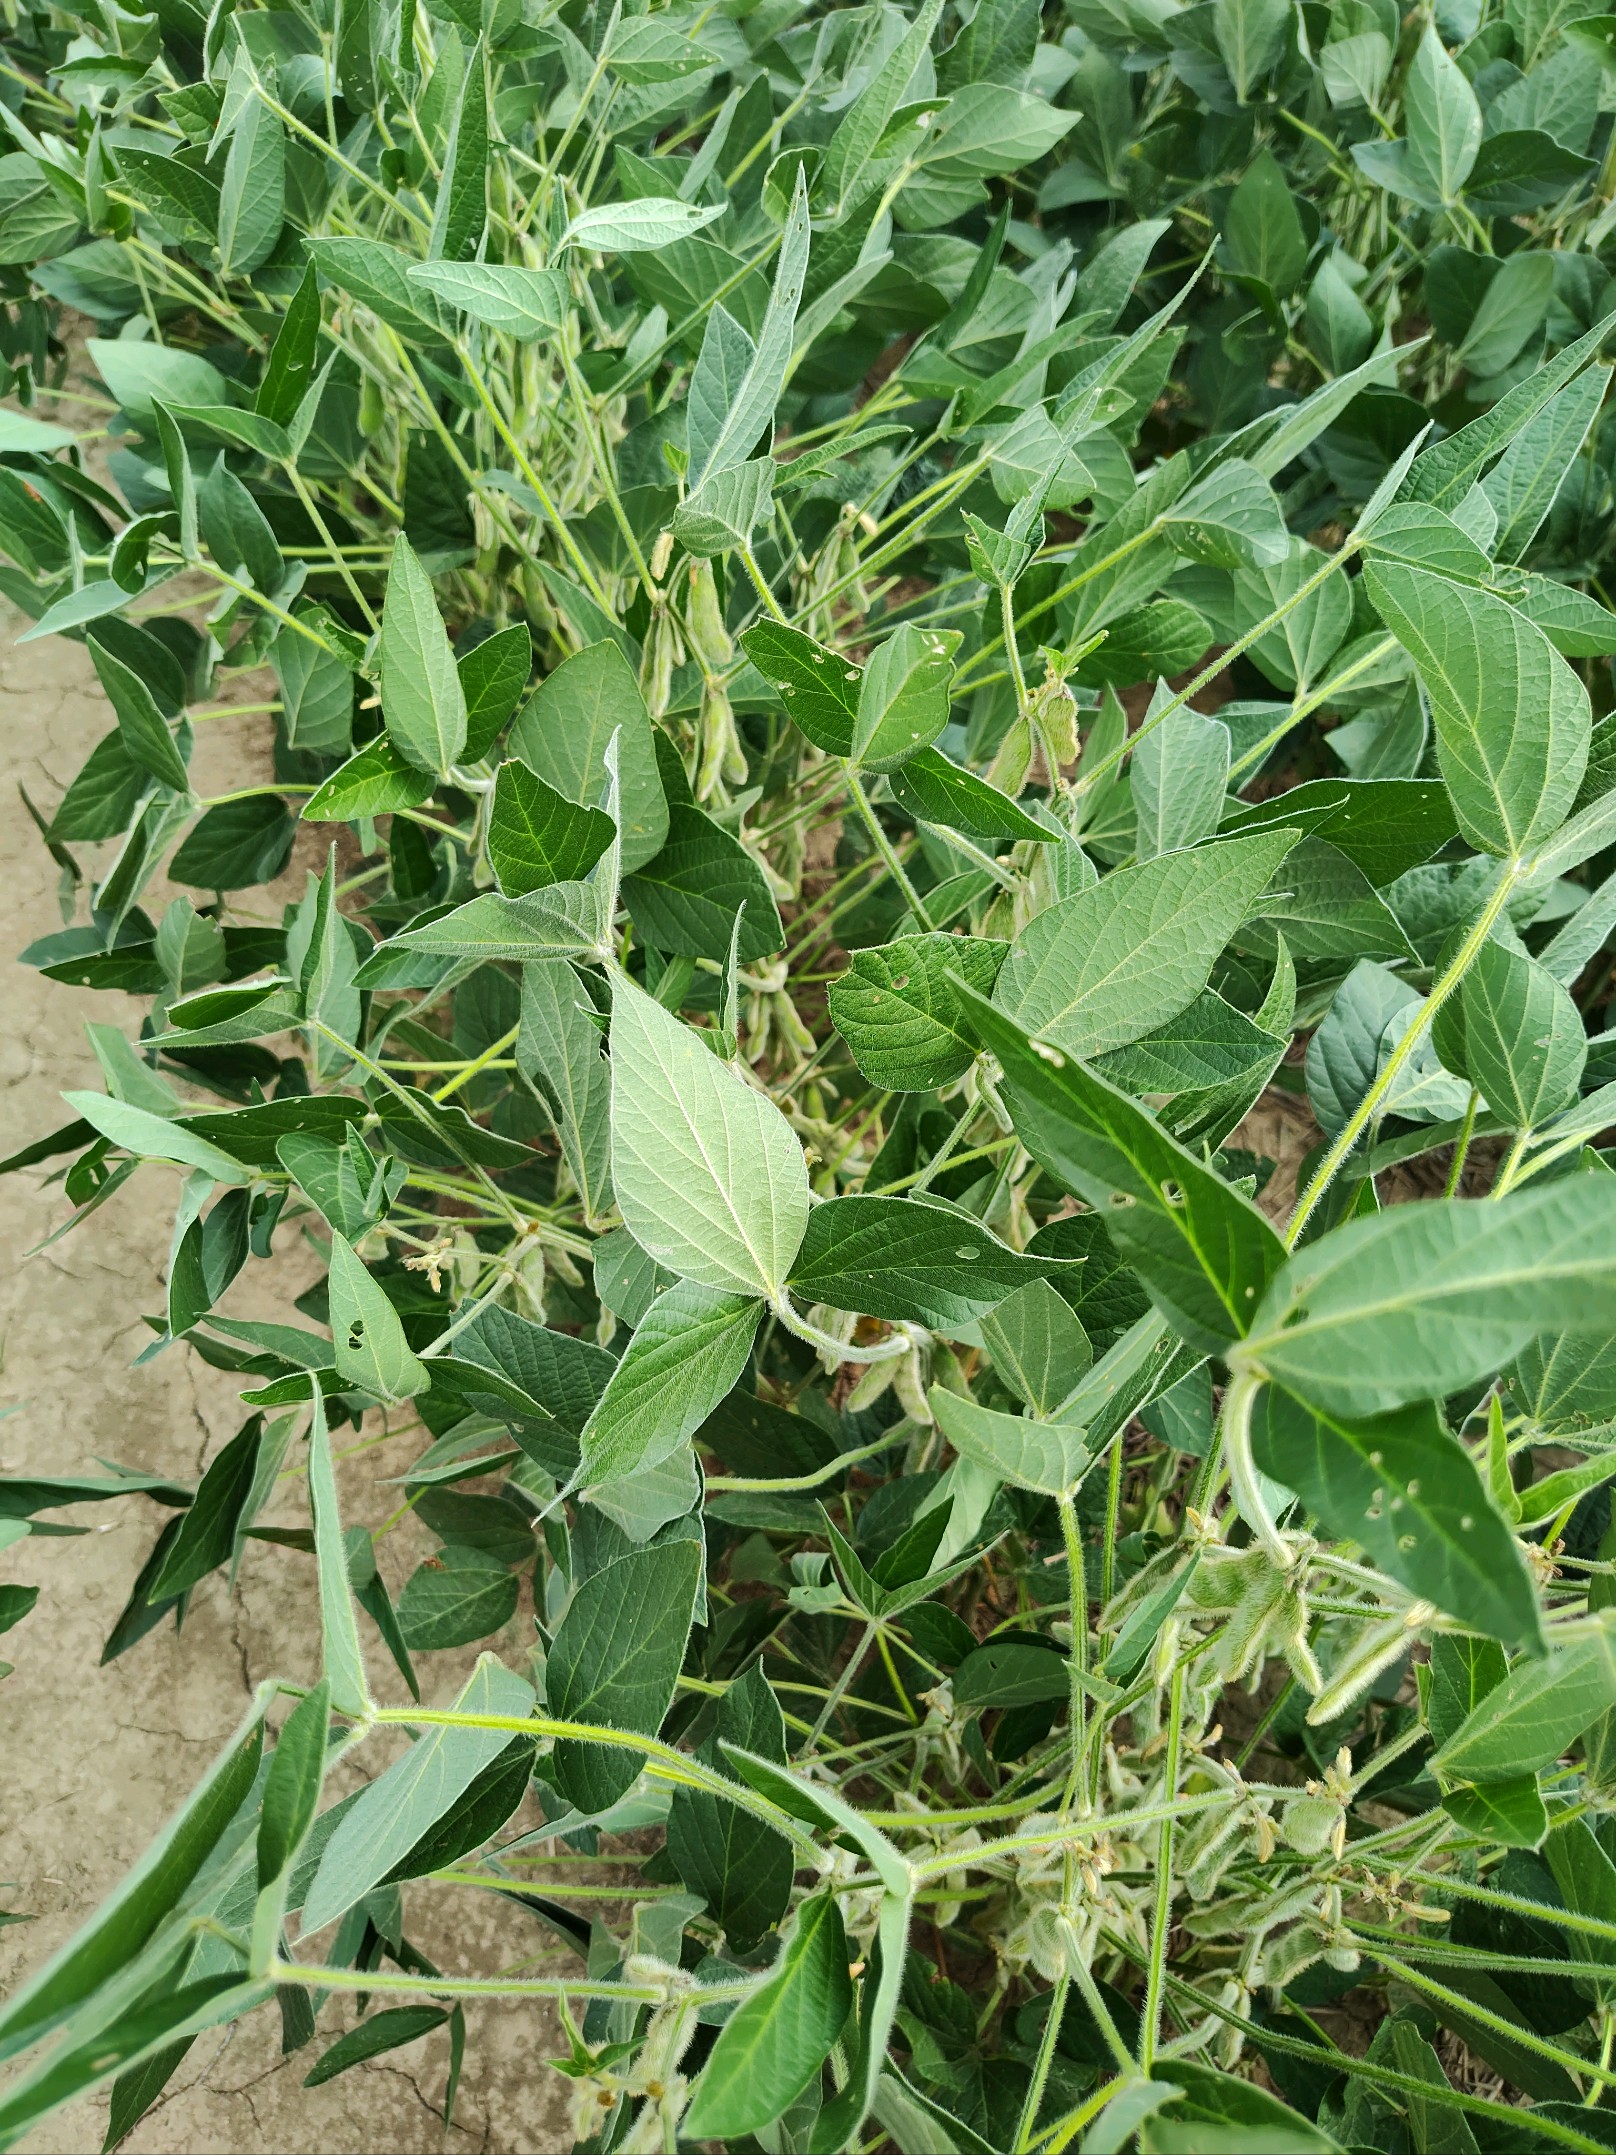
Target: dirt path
96 1758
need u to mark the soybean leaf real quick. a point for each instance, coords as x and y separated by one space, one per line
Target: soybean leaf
564 731
422 699
560 1051
1539 1709
207 1532
686 1356
1204 1252
1048 1457
1513 1031
1038 1347
393 1811
1113 962
343 1661
126 1923
1512 719
369 1344
459 1596
1422 1299
707 1172
819 688
776 2040
388 2030
899 1012
292 1786
1409 1494
528 304
921 1262
537 836
615 1661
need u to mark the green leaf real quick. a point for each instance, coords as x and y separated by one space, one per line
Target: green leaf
392 1812
1418 1301
686 1356
422 699
1038 1347
723 512
527 304
819 688
377 275
384 2031
1442 118
344 1663
537 836
1512 718
909 1260
1523 483
1512 1812
1409 1494
1113 962
493 675
903 696
708 1174
1180 776
126 1922
1262 230
566 727
292 1785
933 790
750 406
207 1532
684 901
615 1660
377 781
1048 1457
1513 1031
136 373
559 1051
460 1596
776 2040
1539 1709
461 210
289 369
252 193
370 1347
141 725
899 1011
1204 1252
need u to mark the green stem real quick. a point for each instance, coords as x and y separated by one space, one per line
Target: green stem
1150 2016
1461 1150
884 846
1358 1121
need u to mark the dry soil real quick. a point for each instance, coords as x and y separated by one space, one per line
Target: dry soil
96 1758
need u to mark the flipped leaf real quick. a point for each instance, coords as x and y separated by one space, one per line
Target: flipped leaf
708 1173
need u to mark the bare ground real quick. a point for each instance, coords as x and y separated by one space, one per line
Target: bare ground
96 1758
